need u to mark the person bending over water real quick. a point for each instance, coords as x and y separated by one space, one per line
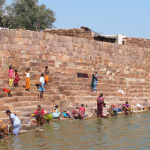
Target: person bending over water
15 121
127 108
81 112
39 113
114 110
3 129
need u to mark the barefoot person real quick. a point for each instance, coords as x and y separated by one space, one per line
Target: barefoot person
27 79
41 87
46 74
100 103
10 76
14 121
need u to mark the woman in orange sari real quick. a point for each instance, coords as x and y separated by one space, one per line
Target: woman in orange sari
27 74
46 74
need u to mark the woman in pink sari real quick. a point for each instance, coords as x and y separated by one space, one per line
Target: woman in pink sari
17 78
100 103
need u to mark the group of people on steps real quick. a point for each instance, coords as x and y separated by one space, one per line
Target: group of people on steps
14 79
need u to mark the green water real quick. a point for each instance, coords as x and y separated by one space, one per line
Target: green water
116 133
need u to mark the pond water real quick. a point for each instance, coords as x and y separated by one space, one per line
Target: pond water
115 133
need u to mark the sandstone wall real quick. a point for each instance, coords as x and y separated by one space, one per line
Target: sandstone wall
138 42
119 67
79 33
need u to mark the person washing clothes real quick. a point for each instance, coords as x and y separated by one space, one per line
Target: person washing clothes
14 121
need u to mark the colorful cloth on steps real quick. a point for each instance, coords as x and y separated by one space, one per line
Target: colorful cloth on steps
7 91
27 83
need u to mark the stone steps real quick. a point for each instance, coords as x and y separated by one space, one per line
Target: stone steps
23 120
30 109
28 103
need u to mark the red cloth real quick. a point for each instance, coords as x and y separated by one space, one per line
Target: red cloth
74 112
17 78
100 103
6 90
42 112
82 109
99 109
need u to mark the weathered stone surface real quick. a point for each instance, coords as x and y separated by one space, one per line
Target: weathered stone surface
64 103
119 67
19 93
2 94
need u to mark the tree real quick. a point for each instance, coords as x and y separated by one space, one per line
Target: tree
2 2
27 14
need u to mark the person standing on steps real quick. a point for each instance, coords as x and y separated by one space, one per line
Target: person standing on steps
17 78
41 87
94 81
100 103
46 74
27 79
10 76
14 121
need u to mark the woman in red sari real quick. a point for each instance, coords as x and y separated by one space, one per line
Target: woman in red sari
17 78
100 103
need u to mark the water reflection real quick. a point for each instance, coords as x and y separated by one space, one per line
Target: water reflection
118 133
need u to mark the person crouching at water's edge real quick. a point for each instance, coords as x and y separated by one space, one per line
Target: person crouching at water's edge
15 121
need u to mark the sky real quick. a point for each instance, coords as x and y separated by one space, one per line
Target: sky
107 17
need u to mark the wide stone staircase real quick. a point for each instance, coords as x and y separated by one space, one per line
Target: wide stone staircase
22 103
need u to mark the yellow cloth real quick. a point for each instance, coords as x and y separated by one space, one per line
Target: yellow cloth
46 78
11 81
55 110
27 83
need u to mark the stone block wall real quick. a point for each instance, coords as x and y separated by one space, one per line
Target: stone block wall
119 67
137 42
